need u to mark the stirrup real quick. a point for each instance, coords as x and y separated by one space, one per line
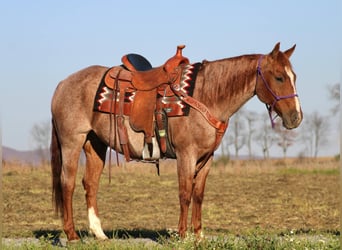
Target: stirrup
155 154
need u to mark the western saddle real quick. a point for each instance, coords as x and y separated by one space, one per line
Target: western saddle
143 82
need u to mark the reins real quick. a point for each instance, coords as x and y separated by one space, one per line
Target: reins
277 98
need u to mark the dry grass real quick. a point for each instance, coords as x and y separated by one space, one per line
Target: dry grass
272 195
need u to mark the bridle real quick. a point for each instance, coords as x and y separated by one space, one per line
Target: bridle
277 98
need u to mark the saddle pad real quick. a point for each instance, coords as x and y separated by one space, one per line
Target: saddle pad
172 104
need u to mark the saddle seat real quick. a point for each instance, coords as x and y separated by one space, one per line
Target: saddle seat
137 76
135 62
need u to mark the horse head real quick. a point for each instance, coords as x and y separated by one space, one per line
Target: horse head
275 86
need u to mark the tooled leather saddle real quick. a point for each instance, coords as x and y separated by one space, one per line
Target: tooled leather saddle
143 93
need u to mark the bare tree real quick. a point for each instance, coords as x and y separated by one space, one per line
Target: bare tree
265 136
305 135
334 95
40 134
225 147
320 129
251 117
285 137
315 132
237 136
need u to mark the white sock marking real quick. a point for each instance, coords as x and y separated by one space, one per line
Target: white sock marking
95 224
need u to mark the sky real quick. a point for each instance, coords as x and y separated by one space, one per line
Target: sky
42 42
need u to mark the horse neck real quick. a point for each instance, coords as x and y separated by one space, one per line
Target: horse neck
227 84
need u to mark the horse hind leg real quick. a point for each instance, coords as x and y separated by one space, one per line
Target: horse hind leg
95 152
70 156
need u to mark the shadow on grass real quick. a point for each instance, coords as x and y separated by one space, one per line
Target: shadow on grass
54 236
137 233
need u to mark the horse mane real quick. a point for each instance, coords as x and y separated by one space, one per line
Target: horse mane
227 77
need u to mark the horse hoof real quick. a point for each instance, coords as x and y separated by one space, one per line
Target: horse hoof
103 237
73 242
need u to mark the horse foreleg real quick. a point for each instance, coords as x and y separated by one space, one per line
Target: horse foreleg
197 198
95 154
185 182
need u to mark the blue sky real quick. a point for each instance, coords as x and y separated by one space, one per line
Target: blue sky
42 42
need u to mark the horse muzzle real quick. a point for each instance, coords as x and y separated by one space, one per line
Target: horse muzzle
293 119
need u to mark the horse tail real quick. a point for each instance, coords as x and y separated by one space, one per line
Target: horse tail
56 168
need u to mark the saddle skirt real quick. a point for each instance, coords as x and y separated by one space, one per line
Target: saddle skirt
166 99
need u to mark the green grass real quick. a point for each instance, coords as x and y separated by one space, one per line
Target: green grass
293 170
274 204
255 239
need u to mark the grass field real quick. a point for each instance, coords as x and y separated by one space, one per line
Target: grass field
276 204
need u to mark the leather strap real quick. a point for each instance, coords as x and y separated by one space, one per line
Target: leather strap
123 137
204 111
213 121
120 119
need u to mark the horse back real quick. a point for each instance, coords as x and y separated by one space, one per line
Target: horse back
78 90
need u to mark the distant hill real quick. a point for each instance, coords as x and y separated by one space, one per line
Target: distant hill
24 157
34 157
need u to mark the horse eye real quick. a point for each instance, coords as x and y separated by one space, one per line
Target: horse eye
279 78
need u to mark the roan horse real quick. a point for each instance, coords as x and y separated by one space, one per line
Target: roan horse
223 86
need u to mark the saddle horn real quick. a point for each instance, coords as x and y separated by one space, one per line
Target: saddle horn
176 60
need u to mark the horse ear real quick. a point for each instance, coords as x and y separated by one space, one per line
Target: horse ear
275 50
289 52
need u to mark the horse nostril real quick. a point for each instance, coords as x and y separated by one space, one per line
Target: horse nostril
295 118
